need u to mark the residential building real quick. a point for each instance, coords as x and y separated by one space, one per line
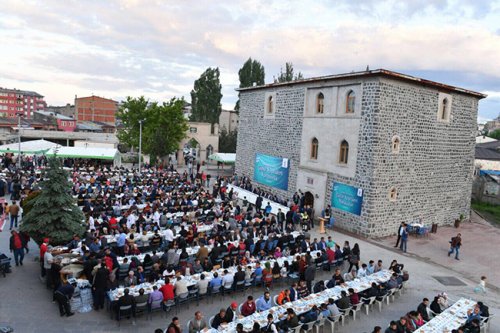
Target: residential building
14 102
379 146
61 122
229 120
96 109
199 141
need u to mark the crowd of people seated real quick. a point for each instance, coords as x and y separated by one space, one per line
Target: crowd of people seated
426 310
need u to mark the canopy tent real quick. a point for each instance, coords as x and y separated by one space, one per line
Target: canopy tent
28 147
225 158
93 153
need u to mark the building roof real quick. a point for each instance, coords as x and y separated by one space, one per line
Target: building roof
53 114
88 126
490 145
96 97
23 92
372 73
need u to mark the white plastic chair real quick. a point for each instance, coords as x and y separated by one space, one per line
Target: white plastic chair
369 304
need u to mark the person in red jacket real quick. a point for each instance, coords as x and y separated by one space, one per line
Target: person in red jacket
43 249
248 307
167 290
17 246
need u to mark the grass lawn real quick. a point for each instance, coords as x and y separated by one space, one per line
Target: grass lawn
489 211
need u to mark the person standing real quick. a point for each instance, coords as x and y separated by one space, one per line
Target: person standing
62 295
17 247
99 285
455 244
43 249
14 213
399 234
404 238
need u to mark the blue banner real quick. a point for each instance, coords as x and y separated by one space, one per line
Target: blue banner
347 198
271 171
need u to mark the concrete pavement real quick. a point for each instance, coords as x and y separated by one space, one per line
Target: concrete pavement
26 305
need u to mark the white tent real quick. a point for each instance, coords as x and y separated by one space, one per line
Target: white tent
28 147
225 158
93 153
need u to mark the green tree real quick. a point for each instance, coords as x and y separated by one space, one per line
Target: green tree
495 134
53 212
251 72
227 141
130 112
206 96
288 75
163 127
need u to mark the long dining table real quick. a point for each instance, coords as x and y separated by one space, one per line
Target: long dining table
192 280
451 318
305 304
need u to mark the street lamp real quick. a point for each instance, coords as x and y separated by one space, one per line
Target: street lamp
19 115
140 142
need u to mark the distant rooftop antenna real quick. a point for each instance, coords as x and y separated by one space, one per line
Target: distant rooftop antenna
367 68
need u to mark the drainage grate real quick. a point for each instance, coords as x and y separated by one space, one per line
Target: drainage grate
449 281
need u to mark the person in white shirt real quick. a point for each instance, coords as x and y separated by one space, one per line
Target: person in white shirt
156 217
169 235
180 287
131 220
202 285
362 272
227 280
91 223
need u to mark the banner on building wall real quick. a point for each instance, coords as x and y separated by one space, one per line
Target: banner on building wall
347 198
271 171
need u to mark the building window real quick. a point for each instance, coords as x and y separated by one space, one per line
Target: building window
314 149
270 106
393 194
350 102
444 107
320 100
193 130
344 152
395 144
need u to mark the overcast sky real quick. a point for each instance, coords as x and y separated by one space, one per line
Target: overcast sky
158 48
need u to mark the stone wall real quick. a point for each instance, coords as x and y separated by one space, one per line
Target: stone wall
277 136
364 165
434 167
432 172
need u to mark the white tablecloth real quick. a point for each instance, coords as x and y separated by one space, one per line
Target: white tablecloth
451 318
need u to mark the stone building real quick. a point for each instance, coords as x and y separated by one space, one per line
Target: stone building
380 146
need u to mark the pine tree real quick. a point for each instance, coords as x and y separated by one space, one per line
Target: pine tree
205 98
53 212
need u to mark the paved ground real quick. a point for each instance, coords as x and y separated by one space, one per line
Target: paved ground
478 254
26 305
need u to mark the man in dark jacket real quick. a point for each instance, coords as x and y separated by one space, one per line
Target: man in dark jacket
422 309
309 275
230 312
62 295
99 286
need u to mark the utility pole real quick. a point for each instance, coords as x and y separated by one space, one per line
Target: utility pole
140 142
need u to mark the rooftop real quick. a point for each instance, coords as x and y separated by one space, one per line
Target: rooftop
53 114
23 92
371 73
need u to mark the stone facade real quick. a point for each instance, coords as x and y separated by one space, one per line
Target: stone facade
277 136
431 171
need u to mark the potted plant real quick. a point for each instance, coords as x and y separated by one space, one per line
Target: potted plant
459 220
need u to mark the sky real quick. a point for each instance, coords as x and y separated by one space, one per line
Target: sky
157 49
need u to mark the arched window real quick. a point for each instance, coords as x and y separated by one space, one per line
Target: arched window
314 149
444 109
393 194
350 102
320 106
395 144
270 104
344 152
